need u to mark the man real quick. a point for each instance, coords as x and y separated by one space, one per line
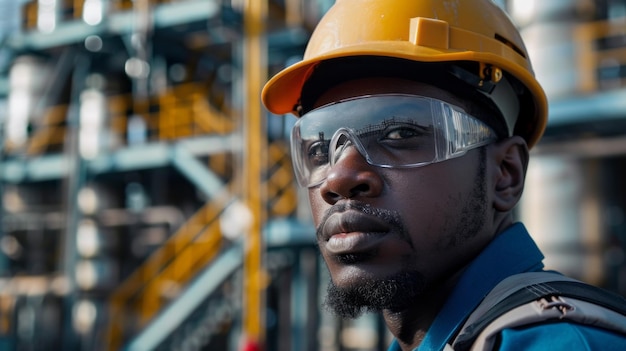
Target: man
416 117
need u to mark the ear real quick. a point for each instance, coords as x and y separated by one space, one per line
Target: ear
510 158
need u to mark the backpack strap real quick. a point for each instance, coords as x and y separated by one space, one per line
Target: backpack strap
529 298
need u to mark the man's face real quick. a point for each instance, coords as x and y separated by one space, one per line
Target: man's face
391 235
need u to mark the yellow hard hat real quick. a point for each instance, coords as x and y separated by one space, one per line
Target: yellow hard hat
437 31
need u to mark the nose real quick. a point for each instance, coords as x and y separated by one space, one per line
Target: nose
351 177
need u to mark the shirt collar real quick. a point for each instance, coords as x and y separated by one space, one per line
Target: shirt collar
511 252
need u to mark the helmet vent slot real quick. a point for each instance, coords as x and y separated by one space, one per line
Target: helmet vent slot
508 43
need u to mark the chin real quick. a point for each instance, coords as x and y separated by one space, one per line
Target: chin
366 294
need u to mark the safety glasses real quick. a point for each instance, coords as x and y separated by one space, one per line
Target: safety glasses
389 131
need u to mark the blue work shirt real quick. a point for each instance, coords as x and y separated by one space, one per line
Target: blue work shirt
511 252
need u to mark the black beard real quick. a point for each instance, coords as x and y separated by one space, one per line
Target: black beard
394 294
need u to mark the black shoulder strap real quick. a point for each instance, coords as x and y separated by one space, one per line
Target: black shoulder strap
572 289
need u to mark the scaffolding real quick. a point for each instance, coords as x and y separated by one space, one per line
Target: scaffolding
148 199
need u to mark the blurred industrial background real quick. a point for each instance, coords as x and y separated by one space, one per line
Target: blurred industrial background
147 197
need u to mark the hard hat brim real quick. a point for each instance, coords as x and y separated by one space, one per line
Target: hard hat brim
281 94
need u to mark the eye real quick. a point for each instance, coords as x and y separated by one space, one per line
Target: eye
317 153
405 136
403 131
400 133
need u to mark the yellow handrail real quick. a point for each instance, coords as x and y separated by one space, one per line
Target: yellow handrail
171 266
281 190
50 132
182 111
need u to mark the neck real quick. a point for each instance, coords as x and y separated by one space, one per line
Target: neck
409 326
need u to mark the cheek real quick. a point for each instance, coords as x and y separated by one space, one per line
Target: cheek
420 191
434 208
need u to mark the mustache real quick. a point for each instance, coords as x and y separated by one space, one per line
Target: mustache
390 217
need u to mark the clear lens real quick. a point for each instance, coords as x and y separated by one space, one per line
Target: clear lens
391 131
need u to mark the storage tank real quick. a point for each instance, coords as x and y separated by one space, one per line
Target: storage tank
548 29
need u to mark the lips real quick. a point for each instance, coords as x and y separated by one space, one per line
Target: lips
352 232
